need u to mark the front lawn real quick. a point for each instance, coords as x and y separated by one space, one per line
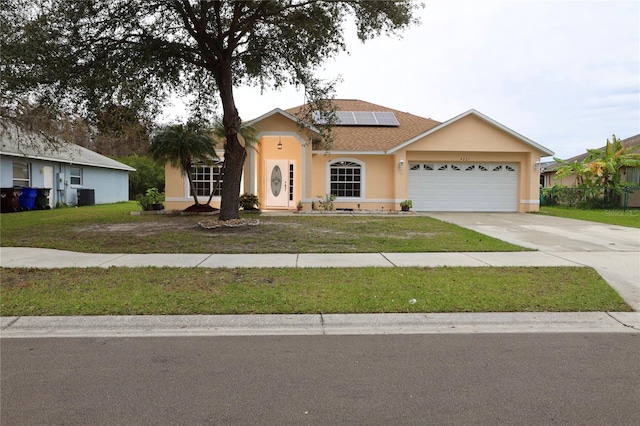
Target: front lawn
177 291
112 229
620 217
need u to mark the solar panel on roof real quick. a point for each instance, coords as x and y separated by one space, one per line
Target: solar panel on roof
345 118
386 118
365 118
358 118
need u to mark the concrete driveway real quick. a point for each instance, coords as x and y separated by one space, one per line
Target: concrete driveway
614 251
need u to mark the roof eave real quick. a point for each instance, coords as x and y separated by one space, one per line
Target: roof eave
284 114
342 153
124 167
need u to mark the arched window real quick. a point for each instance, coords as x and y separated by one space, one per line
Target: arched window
345 179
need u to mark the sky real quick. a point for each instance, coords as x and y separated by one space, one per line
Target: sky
565 74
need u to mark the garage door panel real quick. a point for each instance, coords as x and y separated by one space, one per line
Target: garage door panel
463 187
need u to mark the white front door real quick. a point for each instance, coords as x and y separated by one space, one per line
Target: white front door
277 183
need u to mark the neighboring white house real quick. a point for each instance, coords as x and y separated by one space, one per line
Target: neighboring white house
65 168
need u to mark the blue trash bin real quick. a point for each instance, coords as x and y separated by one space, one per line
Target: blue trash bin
28 198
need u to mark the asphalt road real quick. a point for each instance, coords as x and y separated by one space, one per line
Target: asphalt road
326 380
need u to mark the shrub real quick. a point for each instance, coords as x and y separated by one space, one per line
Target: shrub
151 200
249 202
326 203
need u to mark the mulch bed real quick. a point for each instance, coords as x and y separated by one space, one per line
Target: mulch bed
232 223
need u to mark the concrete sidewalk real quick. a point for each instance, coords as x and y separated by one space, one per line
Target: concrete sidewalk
318 324
24 257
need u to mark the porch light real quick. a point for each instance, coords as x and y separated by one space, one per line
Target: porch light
401 164
279 142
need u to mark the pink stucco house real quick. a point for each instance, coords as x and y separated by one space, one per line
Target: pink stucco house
380 157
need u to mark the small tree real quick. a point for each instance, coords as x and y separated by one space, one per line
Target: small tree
180 145
148 174
599 173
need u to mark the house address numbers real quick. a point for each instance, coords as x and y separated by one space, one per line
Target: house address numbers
465 158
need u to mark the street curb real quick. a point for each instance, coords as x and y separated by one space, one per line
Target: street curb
318 324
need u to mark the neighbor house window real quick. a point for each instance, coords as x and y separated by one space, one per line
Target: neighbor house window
633 175
205 177
21 174
75 176
345 179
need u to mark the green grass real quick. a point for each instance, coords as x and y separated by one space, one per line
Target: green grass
133 291
112 229
138 291
620 217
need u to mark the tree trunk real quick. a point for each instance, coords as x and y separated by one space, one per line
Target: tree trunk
193 189
186 169
234 152
234 156
215 185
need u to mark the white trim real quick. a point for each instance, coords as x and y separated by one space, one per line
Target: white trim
322 152
29 174
530 201
363 179
253 176
482 117
190 199
356 200
284 114
75 161
78 176
281 133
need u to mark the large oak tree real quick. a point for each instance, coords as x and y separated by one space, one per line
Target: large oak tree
136 53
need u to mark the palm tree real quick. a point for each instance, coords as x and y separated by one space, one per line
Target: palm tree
182 144
577 168
605 164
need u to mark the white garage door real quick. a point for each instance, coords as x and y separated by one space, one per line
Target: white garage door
481 187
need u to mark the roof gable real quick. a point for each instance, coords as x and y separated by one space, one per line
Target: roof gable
285 114
488 120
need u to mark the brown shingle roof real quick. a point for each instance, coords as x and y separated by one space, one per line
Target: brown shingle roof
374 138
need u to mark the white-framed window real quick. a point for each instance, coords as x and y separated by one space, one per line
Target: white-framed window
207 176
75 175
21 173
346 179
